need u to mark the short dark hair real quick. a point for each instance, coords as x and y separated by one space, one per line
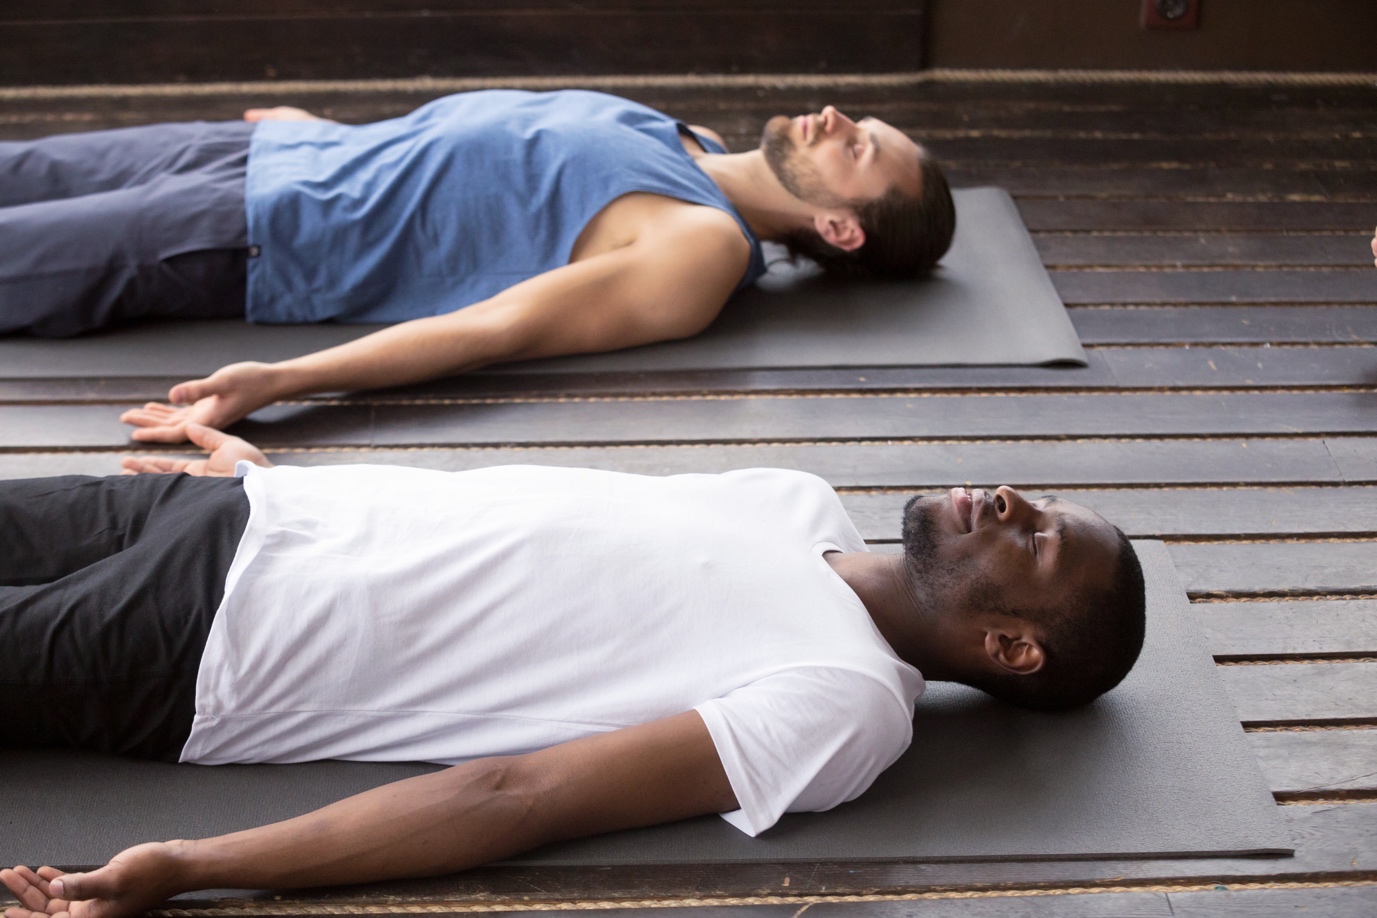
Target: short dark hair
1088 648
904 235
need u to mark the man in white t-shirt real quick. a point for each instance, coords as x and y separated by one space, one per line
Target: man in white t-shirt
590 650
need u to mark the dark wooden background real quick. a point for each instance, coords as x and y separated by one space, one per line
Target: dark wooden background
154 41
139 41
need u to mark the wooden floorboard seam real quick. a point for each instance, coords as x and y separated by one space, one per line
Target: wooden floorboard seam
428 908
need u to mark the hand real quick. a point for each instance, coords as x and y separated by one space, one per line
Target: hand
219 400
134 881
225 452
280 113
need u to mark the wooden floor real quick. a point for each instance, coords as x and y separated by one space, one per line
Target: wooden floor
1211 243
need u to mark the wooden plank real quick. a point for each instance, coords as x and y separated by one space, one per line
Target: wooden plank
1356 459
1225 324
1184 249
1302 693
1138 216
1275 285
1300 628
767 418
1151 513
1317 761
530 384
1110 367
1109 119
1157 179
1047 465
762 418
1097 905
1223 148
1332 902
1340 902
1277 567
1333 842
1258 365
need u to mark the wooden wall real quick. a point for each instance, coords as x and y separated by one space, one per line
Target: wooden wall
1106 34
139 41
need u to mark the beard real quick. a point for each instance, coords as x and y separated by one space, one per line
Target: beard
940 584
794 171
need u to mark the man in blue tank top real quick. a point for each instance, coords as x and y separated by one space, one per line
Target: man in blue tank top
490 226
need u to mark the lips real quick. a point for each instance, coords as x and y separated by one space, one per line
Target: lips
963 506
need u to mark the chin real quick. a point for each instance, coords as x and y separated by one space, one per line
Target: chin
921 528
777 129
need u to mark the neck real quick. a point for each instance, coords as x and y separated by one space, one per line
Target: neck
756 193
913 631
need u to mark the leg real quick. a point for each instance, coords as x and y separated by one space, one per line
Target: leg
105 657
72 165
169 247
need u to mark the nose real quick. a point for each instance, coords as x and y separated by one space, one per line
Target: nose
1011 507
836 121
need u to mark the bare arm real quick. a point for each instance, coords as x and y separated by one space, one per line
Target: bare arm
433 824
670 283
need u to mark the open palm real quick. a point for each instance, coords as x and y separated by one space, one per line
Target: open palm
225 396
134 881
225 452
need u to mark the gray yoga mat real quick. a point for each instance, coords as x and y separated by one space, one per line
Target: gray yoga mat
1157 768
990 302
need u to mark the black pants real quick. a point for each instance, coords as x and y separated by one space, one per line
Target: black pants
108 227
108 587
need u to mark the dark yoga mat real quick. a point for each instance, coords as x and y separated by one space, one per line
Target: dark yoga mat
1159 767
991 302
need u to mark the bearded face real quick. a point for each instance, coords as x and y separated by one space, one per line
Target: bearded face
941 582
795 171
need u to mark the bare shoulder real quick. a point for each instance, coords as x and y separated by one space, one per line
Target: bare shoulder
705 234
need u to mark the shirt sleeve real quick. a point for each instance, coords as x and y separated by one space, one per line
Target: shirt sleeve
804 740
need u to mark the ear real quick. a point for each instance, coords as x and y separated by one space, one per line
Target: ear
1014 648
839 228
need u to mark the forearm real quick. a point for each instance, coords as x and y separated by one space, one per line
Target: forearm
411 352
424 826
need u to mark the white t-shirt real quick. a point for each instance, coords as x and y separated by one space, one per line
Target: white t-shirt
380 613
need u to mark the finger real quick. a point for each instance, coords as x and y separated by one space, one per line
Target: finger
15 883
136 465
49 873
169 434
143 417
255 114
206 437
23 884
188 392
17 911
72 887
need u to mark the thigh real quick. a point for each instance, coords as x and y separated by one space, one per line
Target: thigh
53 527
106 657
79 264
71 165
209 284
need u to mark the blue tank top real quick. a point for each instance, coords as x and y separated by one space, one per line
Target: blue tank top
451 204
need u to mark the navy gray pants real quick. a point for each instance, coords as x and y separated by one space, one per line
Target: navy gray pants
108 587
108 227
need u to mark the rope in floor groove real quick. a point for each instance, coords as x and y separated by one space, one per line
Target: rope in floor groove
903 80
277 908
